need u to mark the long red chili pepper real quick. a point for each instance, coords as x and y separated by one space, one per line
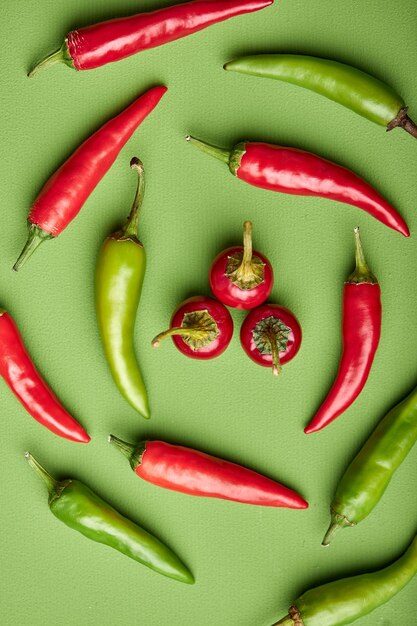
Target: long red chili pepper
96 45
26 383
361 331
294 171
65 192
199 474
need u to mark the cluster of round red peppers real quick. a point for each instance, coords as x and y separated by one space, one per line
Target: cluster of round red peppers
202 327
241 278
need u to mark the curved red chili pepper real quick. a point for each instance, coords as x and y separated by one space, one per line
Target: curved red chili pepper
294 171
198 474
26 383
106 42
361 331
61 198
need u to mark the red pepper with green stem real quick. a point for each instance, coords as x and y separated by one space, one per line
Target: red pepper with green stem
63 195
241 277
198 474
294 171
201 328
271 336
361 330
19 372
93 46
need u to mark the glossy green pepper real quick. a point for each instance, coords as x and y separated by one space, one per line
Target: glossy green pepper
78 507
370 472
356 90
120 272
346 600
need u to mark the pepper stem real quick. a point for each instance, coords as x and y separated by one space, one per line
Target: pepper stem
338 521
247 243
51 483
270 336
130 229
198 330
125 448
410 126
271 339
35 238
133 453
197 334
403 121
362 273
243 269
214 151
61 55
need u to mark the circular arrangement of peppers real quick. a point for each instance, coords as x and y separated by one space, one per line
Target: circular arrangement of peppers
202 327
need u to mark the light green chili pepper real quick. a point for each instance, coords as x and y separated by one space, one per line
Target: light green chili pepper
120 272
356 90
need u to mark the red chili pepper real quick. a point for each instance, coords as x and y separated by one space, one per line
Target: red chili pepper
201 328
61 198
361 331
271 336
26 383
294 171
106 42
199 474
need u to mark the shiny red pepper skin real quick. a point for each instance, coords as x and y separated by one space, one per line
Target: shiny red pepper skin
96 45
294 171
26 383
361 330
93 46
198 474
62 197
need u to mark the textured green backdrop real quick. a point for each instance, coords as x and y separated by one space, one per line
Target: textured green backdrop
249 562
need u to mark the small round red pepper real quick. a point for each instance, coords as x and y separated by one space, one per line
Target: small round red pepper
201 328
239 277
271 336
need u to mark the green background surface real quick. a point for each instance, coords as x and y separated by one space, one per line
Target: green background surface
249 562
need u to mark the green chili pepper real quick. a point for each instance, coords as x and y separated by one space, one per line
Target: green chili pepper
78 507
356 90
120 272
343 601
370 472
